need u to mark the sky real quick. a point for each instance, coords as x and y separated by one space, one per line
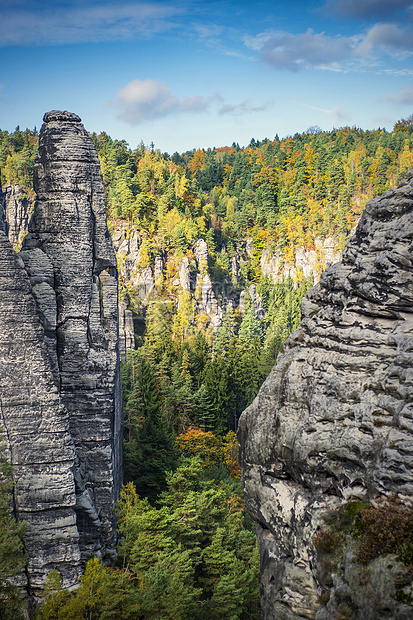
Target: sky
189 74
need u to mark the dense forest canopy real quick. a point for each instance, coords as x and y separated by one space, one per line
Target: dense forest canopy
186 384
285 191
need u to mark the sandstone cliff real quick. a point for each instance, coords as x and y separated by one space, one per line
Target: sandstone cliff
16 213
60 374
333 423
35 428
212 296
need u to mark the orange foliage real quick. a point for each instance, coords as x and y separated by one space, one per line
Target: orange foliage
197 162
211 449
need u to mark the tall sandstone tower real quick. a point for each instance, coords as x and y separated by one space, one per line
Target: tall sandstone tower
60 390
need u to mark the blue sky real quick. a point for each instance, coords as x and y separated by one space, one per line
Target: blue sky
192 74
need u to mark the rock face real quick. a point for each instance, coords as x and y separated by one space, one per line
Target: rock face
16 213
65 289
333 422
35 428
306 262
192 273
126 330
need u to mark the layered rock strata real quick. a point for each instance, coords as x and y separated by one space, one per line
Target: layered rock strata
333 422
35 429
66 290
16 213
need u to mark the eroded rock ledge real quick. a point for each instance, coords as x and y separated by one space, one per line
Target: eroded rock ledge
60 394
334 420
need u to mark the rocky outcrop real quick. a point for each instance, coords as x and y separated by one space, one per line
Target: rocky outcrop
305 262
201 254
184 275
126 329
64 286
192 273
35 429
256 302
333 421
16 213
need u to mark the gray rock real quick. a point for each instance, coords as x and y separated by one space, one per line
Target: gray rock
208 303
184 274
234 269
249 247
35 428
16 213
127 243
333 421
60 392
126 330
201 254
143 283
306 262
68 237
158 269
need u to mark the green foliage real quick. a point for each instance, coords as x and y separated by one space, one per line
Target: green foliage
17 153
149 444
12 558
192 555
184 541
103 594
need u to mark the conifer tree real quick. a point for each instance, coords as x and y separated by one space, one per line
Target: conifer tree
152 451
12 558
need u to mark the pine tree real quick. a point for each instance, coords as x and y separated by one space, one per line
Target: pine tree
216 381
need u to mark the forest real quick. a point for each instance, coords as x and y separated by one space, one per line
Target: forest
187 546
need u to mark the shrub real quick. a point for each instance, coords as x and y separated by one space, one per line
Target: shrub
386 529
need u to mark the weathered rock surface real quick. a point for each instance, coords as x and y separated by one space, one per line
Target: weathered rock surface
306 262
334 419
191 273
66 291
35 428
16 213
126 330
255 300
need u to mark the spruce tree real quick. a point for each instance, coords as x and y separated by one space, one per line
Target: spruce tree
152 452
12 558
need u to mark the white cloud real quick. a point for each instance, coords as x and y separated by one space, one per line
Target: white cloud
148 100
142 100
367 9
403 97
283 50
245 107
67 23
397 72
311 50
389 38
